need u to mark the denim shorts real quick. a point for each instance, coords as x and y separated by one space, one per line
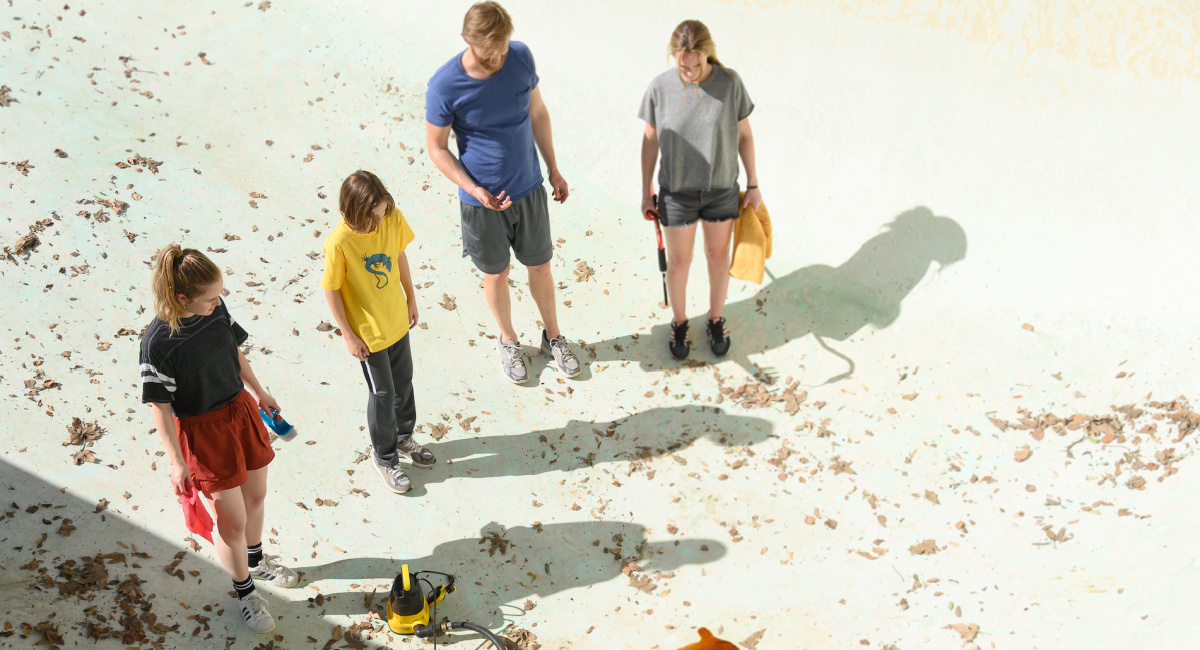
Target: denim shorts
524 227
685 207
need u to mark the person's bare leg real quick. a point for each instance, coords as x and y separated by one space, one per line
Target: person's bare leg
495 288
680 244
230 540
254 496
541 287
716 249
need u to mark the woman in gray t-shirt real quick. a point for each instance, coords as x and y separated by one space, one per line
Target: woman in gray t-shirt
696 116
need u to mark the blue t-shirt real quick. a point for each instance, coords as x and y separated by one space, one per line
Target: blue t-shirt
490 120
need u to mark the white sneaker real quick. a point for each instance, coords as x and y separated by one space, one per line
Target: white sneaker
254 610
512 361
270 570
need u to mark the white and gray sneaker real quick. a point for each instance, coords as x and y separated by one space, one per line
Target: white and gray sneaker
270 570
394 477
254 610
568 363
416 454
512 361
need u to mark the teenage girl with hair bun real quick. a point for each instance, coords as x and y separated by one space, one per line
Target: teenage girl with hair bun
196 378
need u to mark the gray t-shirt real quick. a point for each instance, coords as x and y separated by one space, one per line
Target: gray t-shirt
697 135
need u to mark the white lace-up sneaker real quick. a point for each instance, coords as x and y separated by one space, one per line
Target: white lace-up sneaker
512 361
270 570
564 356
254 610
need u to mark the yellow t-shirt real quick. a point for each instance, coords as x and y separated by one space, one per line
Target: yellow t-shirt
363 268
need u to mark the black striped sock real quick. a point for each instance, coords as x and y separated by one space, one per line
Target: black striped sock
255 553
245 588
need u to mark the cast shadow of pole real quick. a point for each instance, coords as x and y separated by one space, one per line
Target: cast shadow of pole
828 302
515 564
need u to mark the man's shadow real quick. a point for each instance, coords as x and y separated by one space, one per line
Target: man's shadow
827 302
639 437
509 565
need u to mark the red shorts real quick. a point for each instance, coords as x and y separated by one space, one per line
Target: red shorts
223 444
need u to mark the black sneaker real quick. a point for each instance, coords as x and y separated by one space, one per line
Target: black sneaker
678 343
718 337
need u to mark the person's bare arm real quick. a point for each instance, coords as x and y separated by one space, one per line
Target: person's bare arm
649 158
746 151
409 291
539 118
164 421
264 398
437 143
358 349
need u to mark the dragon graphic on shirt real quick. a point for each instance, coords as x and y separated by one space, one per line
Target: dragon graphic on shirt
372 262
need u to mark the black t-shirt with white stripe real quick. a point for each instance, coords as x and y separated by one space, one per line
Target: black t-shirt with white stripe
196 369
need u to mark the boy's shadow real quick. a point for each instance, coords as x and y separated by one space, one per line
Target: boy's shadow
827 302
638 437
507 565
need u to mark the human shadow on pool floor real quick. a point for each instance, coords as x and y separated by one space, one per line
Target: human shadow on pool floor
510 565
827 302
638 437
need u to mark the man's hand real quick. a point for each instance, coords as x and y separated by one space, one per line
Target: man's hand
355 345
753 198
485 197
560 186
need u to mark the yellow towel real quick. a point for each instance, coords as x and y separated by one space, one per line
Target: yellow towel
751 243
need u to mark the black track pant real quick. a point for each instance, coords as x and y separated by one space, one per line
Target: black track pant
391 409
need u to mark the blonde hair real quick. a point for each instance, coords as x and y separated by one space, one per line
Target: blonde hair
693 36
177 271
361 192
486 23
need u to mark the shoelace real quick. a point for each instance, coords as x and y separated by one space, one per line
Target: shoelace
564 350
717 330
512 354
679 332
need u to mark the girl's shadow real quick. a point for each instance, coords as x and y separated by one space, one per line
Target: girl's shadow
827 302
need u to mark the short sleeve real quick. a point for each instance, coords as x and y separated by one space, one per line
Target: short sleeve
158 377
533 76
239 334
742 101
335 266
438 111
646 112
406 233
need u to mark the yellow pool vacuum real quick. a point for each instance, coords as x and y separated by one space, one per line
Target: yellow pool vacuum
408 607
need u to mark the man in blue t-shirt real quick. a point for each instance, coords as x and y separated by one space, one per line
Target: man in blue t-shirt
488 95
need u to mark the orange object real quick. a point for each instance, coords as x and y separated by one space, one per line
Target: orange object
709 642
751 243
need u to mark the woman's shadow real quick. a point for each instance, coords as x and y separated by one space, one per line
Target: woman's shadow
505 565
827 302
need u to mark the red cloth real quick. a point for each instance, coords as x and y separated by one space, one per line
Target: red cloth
195 514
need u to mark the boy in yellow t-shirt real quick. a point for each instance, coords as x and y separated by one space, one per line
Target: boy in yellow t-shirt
369 289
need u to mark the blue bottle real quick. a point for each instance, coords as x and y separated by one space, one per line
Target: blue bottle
276 422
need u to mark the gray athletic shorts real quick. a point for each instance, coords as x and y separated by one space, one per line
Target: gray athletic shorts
685 207
525 227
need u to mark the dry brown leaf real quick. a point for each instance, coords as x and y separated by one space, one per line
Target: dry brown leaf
1023 454
751 642
932 496
927 547
447 302
967 631
1027 327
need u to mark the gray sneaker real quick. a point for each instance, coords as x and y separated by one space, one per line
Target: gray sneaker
419 456
512 361
395 478
558 348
